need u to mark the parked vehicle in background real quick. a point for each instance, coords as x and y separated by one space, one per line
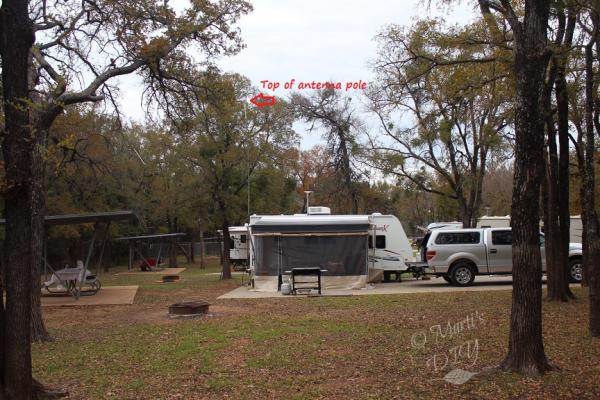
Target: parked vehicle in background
458 255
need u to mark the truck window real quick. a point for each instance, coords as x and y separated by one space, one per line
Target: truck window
501 238
379 242
457 238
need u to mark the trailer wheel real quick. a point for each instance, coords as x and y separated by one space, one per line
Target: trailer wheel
462 274
576 270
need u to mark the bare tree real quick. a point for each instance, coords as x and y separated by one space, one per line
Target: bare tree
225 144
333 112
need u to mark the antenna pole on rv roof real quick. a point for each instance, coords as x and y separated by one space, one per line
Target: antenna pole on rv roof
307 192
247 165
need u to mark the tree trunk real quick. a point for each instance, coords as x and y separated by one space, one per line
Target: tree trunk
16 39
202 249
584 222
465 211
347 172
192 251
226 247
564 218
593 225
558 283
39 333
173 253
557 205
2 327
526 347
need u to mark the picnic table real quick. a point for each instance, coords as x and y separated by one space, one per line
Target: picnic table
308 271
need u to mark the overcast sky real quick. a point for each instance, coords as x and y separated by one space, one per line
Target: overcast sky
310 40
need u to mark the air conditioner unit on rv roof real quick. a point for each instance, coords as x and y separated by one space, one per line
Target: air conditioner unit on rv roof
319 211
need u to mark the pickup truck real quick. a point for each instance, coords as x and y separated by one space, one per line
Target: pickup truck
458 255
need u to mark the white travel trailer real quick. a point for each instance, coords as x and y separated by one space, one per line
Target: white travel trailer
493 222
238 253
575 229
392 249
348 247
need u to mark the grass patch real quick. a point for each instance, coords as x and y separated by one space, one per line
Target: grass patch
359 347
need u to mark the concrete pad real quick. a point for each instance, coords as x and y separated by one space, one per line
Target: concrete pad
166 271
109 295
482 283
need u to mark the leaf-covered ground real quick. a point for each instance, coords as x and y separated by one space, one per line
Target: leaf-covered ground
361 347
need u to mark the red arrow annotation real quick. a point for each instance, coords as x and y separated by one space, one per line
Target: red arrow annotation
268 100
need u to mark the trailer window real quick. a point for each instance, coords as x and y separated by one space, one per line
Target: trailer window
243 239
502 238
457 238
379 242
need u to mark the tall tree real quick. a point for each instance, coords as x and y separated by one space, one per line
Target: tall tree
333 112
228 143
84 45
556 184
96 39
592 127
455 88
18 147
530 58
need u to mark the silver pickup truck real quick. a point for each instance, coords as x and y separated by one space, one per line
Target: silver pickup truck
458 255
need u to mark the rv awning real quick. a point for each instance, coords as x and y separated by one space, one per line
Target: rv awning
311 223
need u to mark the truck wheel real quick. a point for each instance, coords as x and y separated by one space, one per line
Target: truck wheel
462 274
576 270
447 279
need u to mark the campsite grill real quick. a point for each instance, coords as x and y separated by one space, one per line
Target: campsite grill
189 308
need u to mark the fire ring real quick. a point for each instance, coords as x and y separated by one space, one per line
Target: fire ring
170 278
188 309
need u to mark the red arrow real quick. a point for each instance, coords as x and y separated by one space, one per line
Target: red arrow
269 100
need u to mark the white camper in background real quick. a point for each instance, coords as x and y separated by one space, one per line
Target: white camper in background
238 253
575 227
493 222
